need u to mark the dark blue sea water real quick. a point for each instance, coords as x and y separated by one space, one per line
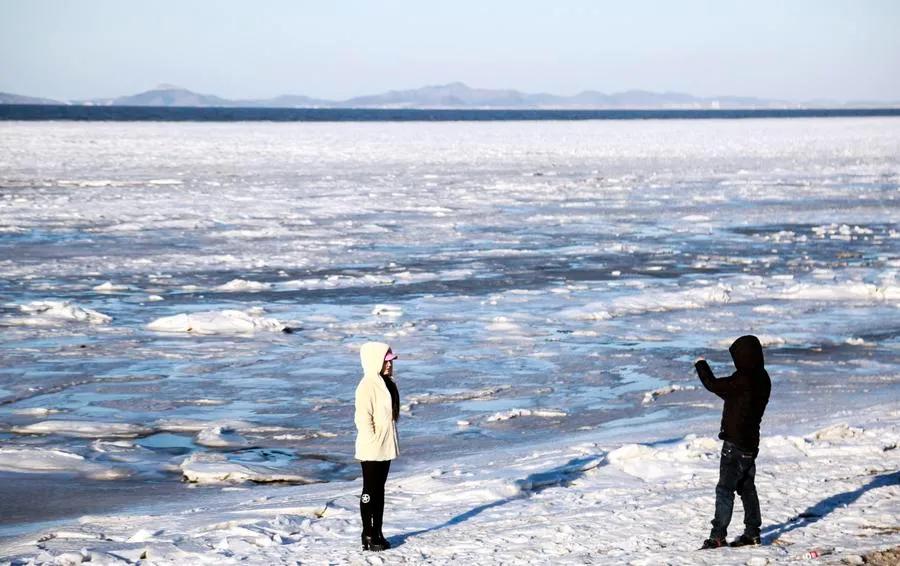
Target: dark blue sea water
190 114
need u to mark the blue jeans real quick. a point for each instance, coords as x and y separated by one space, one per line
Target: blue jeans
737 472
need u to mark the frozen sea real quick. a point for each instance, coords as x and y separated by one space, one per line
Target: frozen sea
538 279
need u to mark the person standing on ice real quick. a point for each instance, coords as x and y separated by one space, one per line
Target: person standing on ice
746 393
377 411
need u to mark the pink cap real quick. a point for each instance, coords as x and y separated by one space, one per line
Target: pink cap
390 356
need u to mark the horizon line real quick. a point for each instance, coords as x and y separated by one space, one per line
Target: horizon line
163 86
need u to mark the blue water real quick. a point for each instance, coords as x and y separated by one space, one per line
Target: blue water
191 114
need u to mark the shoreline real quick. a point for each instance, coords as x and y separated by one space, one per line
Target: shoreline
57 495
597 464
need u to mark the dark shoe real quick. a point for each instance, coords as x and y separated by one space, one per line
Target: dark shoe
745 540
384 542
372 543
713 543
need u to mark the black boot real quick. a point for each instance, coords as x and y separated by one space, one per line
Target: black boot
369 536
377 516
373 543
713 543
746 540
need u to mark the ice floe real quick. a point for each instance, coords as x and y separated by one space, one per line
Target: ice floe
244 285
36 411
517 413
651 396
83 429
50 460
432 398
220 437
843 291
110 287
388 311
767 341
216 468
216 322
49 312
659 300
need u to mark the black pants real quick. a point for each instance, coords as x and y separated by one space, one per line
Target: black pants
737 472
371 502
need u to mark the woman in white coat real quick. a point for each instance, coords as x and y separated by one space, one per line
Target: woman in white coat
377 410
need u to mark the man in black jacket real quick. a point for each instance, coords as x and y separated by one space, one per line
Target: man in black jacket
746 393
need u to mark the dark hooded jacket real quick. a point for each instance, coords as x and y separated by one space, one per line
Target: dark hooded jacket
745 392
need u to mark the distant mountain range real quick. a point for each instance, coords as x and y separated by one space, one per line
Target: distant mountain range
6 98
452 95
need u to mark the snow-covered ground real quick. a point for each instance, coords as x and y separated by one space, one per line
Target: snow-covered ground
595 498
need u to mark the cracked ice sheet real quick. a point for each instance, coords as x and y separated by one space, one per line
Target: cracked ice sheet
527 256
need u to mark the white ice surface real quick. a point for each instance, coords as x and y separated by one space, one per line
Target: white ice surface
653 301
389 311
433 398
517 413
215 468
598 498
220 437
243 285
216 322
110 287
83 429
651 396
36 411
28 459
890 291
236 183
49 313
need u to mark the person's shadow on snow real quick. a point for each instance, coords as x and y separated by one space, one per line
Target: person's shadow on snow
826 506
561 476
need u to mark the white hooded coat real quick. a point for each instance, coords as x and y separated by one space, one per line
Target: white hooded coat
376 436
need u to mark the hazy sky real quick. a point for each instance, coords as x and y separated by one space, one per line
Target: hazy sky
790 49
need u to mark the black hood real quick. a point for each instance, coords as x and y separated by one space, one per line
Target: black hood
747 353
